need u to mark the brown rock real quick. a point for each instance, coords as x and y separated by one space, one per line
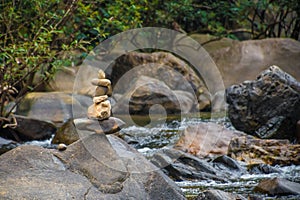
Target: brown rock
100 99
100 111
206 139
278 186
66 134
145 92
174 72
268 151
101 82
249 58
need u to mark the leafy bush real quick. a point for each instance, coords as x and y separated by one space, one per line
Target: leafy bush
34 34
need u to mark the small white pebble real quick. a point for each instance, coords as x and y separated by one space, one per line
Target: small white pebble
61 147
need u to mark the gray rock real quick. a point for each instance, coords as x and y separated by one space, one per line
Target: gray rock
263 169
264 151
268 107
219 195
278 186
146 92
181 166
74 129
29 129
92 168
56 107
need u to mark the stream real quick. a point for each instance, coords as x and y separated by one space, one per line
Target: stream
148 139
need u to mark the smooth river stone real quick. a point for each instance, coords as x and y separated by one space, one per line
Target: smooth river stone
100 99
107 126
101 82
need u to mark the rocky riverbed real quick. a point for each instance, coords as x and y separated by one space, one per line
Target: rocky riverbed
250 152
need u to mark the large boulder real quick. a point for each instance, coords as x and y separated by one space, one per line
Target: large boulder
95 167
74 80
206 139
264 151
268 107
27 129
145 92
278 186
212 43
56 107
174 72
244 60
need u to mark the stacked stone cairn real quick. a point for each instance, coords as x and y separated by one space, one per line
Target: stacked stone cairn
101 108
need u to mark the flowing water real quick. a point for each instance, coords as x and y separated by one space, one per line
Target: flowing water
148 139
150 136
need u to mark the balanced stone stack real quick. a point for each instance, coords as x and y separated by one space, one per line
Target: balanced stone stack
101 108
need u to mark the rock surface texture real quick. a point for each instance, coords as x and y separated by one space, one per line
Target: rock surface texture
146 92
269 151
97 167
101 108
278 186
268 107
241 61
206 139
163 67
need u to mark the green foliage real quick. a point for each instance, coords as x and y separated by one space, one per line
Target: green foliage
36 34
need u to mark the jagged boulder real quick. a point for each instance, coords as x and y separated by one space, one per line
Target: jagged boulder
268 107
96 167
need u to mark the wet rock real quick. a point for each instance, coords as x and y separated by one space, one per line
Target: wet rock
249 58
29 129
264 151
163 66
263 169
278 186
6 145
219 195
66 134
268 107
147 92
226 163
181 166
298 131
56 107
92 168
74 129
206 139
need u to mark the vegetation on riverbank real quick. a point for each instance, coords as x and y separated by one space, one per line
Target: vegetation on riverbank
36 34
